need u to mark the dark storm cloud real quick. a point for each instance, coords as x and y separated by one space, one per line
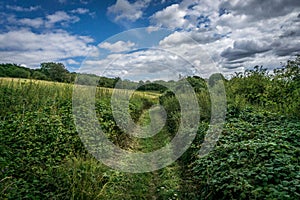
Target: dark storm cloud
262 9
286 49
291 29
243 49
291 33
205 37
232 66
235 64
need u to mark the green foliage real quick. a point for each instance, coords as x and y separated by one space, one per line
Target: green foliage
172 108
251 86
257 157
197 83
55 71
39 75
13 70
79 178
108 82
278 92
41 154
37 133
152 86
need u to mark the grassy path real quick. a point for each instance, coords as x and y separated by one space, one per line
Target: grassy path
160 184
163 183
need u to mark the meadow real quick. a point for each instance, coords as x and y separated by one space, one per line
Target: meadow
256 156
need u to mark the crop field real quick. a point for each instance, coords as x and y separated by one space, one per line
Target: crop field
256 157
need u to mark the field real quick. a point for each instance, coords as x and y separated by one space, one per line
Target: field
256 157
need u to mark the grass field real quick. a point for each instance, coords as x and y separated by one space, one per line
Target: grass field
43 157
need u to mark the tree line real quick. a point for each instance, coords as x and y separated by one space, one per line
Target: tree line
48 71
57 72
257 86
51 71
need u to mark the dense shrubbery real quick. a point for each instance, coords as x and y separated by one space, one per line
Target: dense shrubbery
257 157
277 91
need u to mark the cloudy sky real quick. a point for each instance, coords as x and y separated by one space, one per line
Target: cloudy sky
150 39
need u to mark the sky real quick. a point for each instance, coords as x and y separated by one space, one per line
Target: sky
150 39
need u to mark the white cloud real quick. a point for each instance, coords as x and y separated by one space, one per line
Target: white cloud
117 46
212 38
175 39
184 37
20 44
26 47
170 17
60 17
11 20
35 23
124 10
72 62
80 11
235 34
150 64
257 9
151 29
186 15
23 9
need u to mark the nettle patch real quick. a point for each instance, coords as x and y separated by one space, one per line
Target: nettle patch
257 157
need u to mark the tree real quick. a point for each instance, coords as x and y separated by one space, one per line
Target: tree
14 70
197 83
20 73
39 75
55 71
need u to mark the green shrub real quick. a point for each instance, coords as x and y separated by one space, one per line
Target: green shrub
257 157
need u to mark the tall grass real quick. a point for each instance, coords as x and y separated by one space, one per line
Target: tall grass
41 153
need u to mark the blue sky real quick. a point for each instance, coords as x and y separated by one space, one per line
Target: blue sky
134 39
